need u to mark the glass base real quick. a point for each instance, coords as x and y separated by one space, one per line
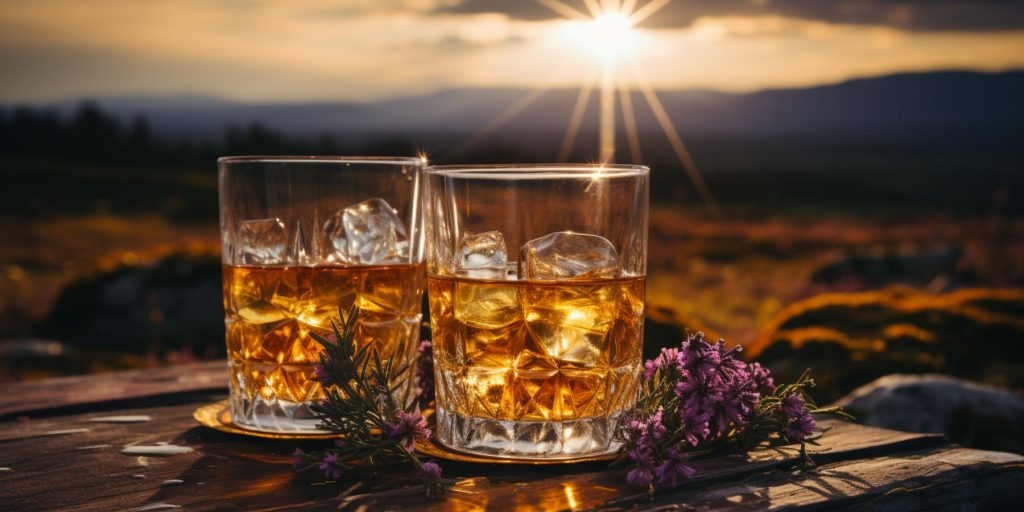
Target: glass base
273 416
550 440
268 412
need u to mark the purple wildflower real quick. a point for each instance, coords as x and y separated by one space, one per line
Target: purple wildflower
665 359
651 366
331 466
674 468
298 459
642 474
645 432
430 471
425 374
792 405
762 379
717 390
656 425
729 359
322 375
799 422
407 427
800 427
699 357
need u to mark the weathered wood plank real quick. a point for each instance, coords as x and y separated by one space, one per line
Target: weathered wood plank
72 394
51 472
920 480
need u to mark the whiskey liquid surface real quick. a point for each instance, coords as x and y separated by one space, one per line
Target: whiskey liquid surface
536 351
270 312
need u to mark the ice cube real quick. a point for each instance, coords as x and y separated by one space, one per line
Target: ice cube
571 322
366 233
569 255
487 306
333 241
262 242
481 255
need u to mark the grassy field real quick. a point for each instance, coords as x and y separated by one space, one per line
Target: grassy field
739 276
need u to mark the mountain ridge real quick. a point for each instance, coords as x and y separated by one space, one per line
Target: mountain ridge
947 103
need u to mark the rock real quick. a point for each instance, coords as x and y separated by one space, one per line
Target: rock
169 304
969 413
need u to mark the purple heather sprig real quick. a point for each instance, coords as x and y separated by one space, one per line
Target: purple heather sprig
699 398
643 466
674 467
716 389
407 427
425 374
799 422
361 402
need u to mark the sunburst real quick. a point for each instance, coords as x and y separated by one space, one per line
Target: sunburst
607 31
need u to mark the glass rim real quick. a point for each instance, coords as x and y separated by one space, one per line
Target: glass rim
537 171
298 159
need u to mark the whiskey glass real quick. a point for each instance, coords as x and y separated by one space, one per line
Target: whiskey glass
535 277
304 240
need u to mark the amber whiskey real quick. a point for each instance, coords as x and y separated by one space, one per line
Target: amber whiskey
271 311
531 366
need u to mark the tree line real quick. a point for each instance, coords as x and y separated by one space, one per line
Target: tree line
93 135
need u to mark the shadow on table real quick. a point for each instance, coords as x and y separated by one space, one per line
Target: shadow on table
246 472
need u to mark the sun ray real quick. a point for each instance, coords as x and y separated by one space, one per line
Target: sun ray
563 9
629 123
627 7
593 7
610 6
577 115
661 115
647 10
607 132
503 117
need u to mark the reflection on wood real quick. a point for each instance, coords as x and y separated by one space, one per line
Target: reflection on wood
857 465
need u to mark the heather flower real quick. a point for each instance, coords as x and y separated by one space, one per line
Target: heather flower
298 459
666 358
407 427
651 366
729 360
674 468
799 422
716 389
656 426
800 427
710 399
430 471
642 474
645 433
331 466
762 379
322 375
425 374
792 405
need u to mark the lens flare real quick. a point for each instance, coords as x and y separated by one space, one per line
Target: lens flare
611 36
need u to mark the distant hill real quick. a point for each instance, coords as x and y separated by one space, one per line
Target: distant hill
955 104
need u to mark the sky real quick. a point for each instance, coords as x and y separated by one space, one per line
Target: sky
366 50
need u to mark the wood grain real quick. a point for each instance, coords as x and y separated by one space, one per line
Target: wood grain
75 394
83 468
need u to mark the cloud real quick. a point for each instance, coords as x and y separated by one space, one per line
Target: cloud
913 15
259 50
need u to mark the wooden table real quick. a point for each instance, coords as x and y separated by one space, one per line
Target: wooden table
55 458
